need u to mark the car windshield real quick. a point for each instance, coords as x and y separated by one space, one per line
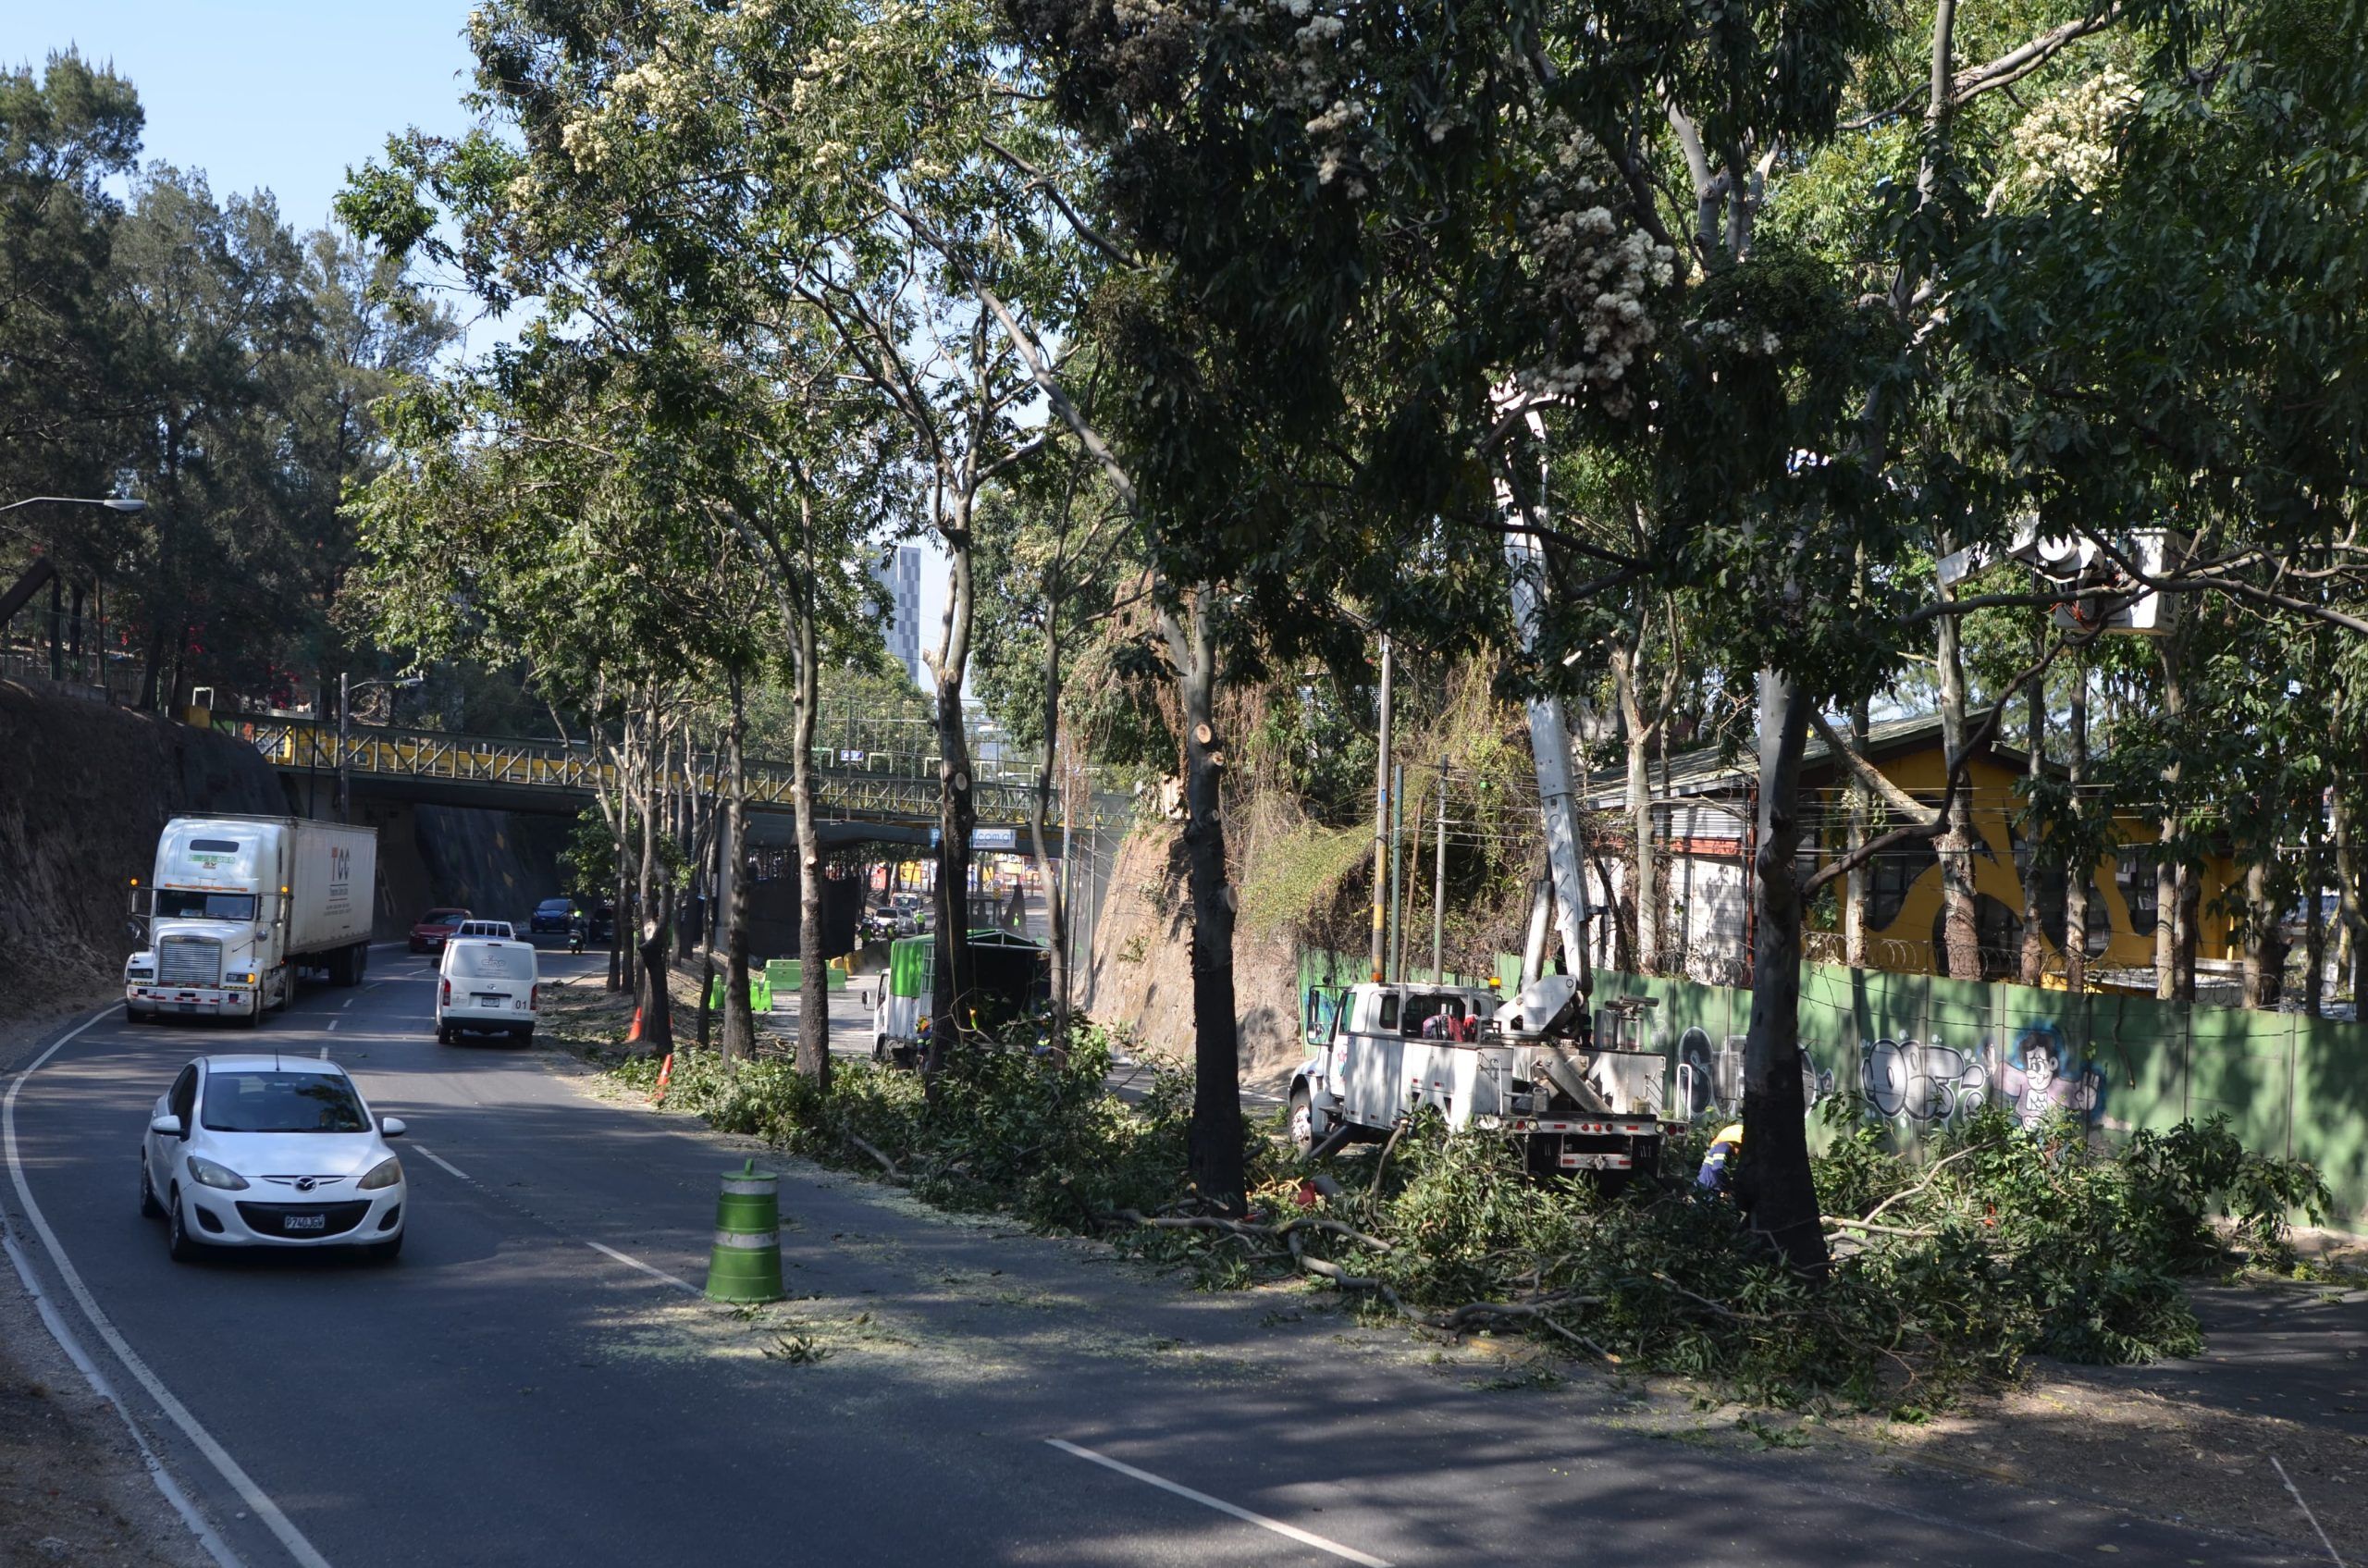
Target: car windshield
281 1102
555 905
175 903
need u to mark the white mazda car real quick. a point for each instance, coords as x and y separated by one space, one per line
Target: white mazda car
271 1150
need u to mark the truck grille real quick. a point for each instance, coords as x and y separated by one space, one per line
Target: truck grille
188 960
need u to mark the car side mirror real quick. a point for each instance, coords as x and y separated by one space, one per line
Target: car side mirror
391 1126
168 1125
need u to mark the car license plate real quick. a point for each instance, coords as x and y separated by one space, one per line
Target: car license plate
491 999
303 1221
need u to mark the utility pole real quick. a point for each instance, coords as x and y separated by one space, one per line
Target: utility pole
1438 890
1397 882
1381 814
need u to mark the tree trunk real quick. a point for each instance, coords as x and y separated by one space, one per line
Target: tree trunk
1214 1141
2168 873
1773 1184
2350 909
813 986
1056 909
1858 884
2187 929
732 885
2034 954
2315 925
956 814
1644 889
1961 943
657 1006
2077 875
2264 936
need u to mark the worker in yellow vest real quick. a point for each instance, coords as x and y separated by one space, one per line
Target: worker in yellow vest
1718 1162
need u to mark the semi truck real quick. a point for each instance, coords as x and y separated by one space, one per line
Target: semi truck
238 904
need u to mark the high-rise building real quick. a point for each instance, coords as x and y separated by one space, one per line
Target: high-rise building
900 573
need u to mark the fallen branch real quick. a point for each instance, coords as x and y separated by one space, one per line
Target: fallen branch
1930 1171
1250 1227
1878 1229
886 1164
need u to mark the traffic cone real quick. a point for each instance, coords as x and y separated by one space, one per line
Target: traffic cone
665 1072
634 1034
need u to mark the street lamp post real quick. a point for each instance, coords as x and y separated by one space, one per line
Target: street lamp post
113 503
13 597
346 687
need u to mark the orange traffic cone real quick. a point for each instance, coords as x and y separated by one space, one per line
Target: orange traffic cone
634 1032
665 1071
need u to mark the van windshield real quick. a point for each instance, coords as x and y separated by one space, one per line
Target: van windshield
490 962
185 904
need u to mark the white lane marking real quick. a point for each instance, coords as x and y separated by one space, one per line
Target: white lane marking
344 1005
258 1501
630 1262
2306 1511
325 1050
1292 1532
324 1053
216 1547
422 1150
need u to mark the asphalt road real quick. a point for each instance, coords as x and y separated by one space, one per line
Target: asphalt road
522 1388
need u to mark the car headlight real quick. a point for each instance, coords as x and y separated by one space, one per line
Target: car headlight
139 971
386 1173
206 1173
243 976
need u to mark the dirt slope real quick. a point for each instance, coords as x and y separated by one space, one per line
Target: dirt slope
84 789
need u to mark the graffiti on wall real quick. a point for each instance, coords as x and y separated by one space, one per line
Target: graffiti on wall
2040 1075
2033 1073
1933 1083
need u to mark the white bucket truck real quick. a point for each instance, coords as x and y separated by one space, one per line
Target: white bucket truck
238 903
1527 1069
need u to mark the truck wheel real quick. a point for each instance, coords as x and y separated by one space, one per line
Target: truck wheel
1302 1121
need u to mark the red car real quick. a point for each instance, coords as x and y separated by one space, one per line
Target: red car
428 934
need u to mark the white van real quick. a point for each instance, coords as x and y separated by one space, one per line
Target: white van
485 987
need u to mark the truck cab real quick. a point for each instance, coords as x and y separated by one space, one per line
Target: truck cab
1527 1067
235 903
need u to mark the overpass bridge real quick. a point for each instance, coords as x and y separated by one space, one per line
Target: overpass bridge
893 801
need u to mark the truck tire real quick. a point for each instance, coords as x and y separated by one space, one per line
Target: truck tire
1302 1121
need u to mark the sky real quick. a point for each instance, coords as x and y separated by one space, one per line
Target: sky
286 97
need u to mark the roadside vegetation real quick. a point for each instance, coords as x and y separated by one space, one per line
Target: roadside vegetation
1987 1244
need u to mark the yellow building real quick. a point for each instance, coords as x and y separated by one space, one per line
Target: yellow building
1703 808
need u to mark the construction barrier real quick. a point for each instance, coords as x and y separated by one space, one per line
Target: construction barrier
788 975
746 1263
760 992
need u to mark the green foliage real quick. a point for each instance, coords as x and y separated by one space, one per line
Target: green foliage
1994 1245
1012 1128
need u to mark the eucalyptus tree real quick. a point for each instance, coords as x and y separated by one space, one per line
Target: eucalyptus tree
1058 560
537 504
782 172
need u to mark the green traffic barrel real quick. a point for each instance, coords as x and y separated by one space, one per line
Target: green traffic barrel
746 1265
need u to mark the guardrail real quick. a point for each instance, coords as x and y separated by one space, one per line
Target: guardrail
304 745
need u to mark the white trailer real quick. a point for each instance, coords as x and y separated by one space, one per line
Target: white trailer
238 904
